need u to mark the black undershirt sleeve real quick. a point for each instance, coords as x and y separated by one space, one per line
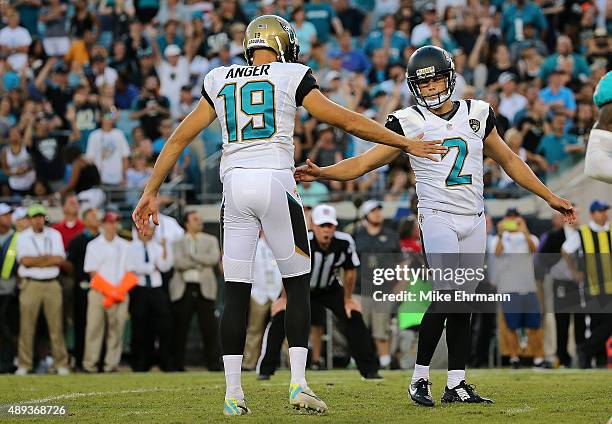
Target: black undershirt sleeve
307 84
394 125
207 97
490 123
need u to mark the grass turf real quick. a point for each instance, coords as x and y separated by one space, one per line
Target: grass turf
559 396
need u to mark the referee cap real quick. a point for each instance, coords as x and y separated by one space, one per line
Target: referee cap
324 214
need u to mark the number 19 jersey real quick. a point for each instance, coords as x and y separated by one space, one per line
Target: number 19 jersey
455 183
256 106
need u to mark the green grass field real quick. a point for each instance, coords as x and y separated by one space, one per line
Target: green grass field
561 396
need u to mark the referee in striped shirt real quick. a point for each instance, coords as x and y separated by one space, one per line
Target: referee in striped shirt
330 251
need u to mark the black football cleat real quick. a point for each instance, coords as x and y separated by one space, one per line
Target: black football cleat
420 392
465 393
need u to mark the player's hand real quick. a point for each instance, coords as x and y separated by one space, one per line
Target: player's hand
308 172
278 305
565 207
147 207
351 305
425 149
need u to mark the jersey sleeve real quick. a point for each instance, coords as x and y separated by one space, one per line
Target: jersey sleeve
410 121
206 86
394 125
491 121
307 84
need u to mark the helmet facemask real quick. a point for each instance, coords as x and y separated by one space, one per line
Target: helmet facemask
432 101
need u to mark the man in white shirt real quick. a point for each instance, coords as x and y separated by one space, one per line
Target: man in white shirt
267 284
514 248
149 303
105 255
173 75
15 41
108 148
40 252
510 101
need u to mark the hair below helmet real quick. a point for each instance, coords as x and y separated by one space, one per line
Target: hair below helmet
271 32
425 63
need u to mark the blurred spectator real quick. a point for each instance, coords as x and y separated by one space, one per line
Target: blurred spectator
584 122
15 41
599 48
305 31
172 10
55 37
531 40
150 314
557 145
326 151
353 59
101 74
266 287
84 178
40 252
514 249
105 257
151 107
9 315
387 37
70 226
510 101
566 61
186 104
45 143
372 240
193 288
323 16
556 96
136 177
121 62
17 164
86 111
378 72
313 193
352 18
57 89
173 74
529 64
519 15
76 256
108 149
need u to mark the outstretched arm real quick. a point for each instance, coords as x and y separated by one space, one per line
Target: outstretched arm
200 118
519 171
357 124
348 169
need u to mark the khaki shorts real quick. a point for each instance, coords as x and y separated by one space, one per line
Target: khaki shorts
376 320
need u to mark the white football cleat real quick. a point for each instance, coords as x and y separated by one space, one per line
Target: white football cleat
302 397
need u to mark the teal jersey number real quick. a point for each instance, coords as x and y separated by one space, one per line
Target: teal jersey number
454 178
256 99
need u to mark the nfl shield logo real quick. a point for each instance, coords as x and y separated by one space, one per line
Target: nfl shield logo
474 124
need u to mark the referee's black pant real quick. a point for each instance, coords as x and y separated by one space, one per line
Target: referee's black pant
151 317
354 329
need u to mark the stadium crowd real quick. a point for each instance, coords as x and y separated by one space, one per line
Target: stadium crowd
91 90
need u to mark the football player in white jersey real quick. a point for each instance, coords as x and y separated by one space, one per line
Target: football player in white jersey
450 199
256 106
599 147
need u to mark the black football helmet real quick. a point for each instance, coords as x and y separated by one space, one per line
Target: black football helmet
425 63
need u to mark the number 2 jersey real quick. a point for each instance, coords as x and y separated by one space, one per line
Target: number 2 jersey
256 106
455 184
